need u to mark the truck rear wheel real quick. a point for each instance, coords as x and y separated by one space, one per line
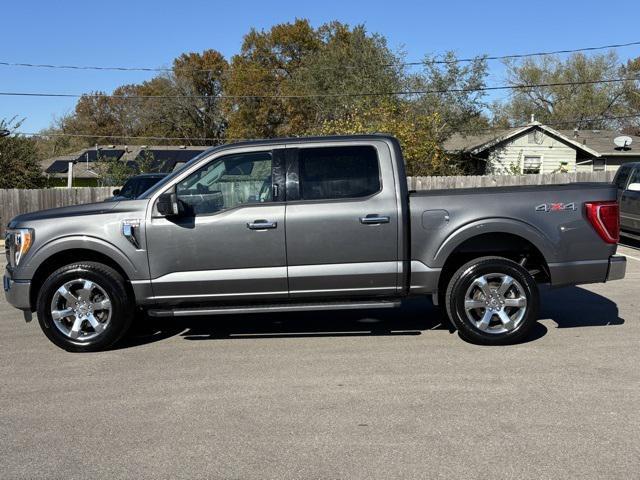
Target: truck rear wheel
84 307
492 301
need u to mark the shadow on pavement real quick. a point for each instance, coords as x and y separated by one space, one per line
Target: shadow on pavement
572 307
414 317
569 307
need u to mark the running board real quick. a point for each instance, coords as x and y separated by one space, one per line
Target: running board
283 307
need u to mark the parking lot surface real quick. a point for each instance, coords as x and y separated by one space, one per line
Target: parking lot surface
375 394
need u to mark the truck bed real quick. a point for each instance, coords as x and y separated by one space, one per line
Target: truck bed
550 217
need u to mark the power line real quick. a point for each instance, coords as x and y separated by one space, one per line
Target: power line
535 54
227 140
383 65
136 137
323 95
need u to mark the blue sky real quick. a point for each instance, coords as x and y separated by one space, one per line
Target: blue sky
152 33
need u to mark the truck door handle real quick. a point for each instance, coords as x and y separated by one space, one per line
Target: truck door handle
374 219
261 225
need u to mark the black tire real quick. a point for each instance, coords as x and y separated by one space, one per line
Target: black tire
489 268
121 305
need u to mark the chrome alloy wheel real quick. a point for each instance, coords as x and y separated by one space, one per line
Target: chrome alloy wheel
81 309
495 303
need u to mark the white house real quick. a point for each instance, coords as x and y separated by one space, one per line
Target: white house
538 148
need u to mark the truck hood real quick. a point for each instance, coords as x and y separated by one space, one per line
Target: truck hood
63 212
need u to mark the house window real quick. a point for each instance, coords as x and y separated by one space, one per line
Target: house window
599 164
531 165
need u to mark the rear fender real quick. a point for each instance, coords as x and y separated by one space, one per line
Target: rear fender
494 225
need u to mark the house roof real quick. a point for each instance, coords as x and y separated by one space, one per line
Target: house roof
59 168
602 142
460 142
85 161
476 144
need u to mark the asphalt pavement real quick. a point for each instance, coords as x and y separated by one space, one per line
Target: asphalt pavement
375 394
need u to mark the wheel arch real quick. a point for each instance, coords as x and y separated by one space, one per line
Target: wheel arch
510 239
497 226
61 257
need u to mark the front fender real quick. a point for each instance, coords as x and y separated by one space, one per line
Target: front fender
83 242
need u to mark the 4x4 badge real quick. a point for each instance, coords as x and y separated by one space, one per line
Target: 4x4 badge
556 207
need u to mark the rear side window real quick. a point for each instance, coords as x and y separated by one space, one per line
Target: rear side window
636 176
622 177
338 172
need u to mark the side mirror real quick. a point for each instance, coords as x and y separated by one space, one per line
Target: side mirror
634 187
167 204
116 192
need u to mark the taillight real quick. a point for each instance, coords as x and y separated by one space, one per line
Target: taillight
605 218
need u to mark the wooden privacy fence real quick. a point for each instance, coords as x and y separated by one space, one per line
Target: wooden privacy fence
475 181
14 202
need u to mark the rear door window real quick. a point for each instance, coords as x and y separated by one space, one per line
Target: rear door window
338 172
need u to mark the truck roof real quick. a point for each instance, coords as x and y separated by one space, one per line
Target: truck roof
327 138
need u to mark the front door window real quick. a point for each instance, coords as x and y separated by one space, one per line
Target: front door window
227 182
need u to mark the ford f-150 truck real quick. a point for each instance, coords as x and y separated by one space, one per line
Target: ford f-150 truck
307 224
627 182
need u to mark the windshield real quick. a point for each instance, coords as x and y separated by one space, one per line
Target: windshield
168 178
137 185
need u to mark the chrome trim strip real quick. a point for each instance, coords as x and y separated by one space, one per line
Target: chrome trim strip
330 290
260 273
343 269
217 295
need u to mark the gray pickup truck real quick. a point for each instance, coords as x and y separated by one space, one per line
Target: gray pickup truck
307 224
627 181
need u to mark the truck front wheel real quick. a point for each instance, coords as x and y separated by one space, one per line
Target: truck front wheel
492 301
84 307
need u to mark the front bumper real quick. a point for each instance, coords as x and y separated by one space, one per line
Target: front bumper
16 291
617 267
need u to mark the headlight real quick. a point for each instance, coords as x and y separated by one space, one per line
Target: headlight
17 243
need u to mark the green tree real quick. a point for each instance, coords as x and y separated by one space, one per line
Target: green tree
292 79
571 105
349 61
198 82
113 172
631 93
19 166
264 66
146 163
183 103
310 70
460 101
418 135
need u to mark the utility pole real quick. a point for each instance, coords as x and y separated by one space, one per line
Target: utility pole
70 174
